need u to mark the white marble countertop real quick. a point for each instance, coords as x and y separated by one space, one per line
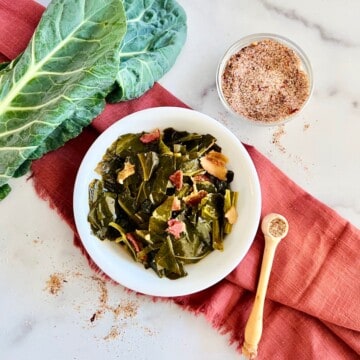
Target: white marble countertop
318 150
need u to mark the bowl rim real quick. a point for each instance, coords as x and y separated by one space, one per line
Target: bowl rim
245 41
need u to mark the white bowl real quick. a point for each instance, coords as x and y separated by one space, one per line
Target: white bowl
116 262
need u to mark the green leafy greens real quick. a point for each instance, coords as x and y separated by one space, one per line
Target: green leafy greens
165 196
156 32
82 52
58 85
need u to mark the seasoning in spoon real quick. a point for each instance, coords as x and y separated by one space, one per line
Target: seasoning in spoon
265 82
277 227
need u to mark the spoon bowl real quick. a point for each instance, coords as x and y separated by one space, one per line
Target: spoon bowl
275 226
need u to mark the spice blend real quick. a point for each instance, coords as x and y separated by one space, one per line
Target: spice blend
265 82
54 283
277 227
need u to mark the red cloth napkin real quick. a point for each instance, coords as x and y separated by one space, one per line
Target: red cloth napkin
312 306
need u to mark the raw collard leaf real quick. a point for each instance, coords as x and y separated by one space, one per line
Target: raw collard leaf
3 67
58 85
4 191
156 32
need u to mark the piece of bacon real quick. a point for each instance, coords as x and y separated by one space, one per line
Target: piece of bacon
177 179
215 164
176 227
200 178
137 247
195 197
176 205
133 241
150 137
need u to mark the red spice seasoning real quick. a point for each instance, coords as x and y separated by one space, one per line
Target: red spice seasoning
265 82
54 283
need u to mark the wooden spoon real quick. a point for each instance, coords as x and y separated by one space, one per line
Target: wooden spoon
274 227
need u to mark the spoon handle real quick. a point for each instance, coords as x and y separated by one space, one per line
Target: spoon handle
254 325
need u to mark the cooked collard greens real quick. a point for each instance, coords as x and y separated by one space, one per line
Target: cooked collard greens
164 196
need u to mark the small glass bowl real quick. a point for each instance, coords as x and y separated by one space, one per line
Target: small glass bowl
248 40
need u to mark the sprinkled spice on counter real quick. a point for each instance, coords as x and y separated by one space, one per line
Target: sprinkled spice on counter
113 334
264 81
54 283
276 138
